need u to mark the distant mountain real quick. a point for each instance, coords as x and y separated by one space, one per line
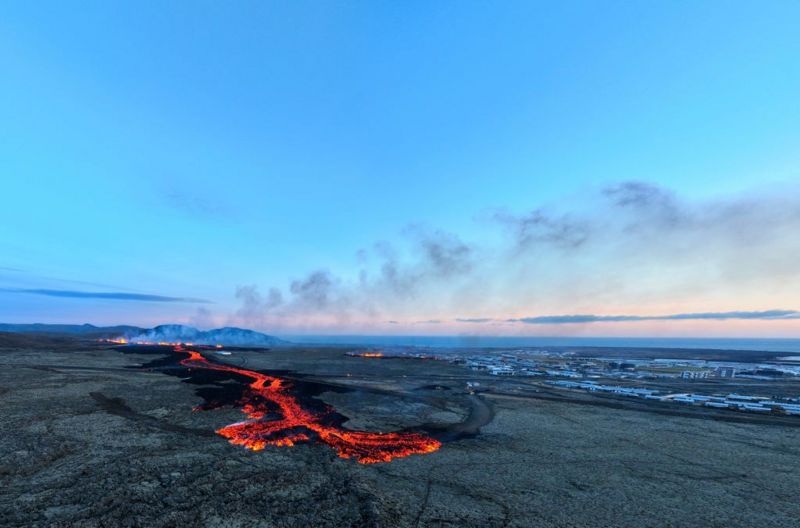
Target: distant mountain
171 333
220 336
85 330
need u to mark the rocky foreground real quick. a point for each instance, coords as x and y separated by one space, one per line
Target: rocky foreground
88 441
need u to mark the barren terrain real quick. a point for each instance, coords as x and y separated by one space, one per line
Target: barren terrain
90 441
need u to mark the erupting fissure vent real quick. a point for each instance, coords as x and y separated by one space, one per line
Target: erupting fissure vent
268 394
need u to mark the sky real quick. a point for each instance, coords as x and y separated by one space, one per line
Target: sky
523 168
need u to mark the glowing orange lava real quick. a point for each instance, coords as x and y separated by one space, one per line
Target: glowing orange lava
370 355
297 424
116 341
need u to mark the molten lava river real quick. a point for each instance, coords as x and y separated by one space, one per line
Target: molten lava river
275 417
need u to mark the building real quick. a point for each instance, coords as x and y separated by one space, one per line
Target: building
694 374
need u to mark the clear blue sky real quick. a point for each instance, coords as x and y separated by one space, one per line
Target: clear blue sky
184 149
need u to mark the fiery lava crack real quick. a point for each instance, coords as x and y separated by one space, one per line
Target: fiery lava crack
267 396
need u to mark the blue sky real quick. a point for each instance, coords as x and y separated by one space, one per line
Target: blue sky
193 149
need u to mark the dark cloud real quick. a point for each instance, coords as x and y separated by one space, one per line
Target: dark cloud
316 291
766 314
434 256
639 194
474 320
718 316
636 206
649 204
117 296
541 228
445 254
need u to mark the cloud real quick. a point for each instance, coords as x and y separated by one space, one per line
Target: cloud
640 195
431 256
390 275
626 247
316 291
32 279
445 253
202 318
253 305
117 296
769 315
541 228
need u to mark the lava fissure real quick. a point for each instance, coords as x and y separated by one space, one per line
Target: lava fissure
275 417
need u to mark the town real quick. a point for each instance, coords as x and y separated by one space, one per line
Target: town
657 379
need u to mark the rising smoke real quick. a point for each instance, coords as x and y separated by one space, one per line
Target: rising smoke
631 245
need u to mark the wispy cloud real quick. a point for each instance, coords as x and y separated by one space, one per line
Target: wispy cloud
541 228
117 296
633 245
769 315
434 257
25 277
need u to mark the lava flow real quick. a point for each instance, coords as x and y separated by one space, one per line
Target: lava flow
267 396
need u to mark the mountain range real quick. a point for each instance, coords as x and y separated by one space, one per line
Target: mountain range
229 336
